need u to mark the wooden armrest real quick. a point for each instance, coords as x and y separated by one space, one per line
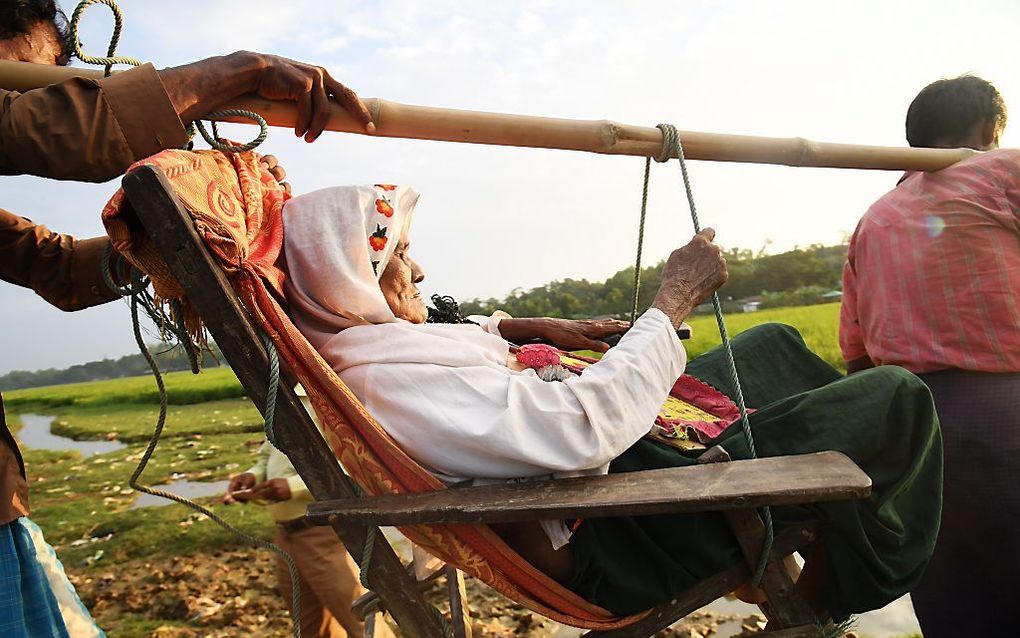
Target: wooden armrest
781 480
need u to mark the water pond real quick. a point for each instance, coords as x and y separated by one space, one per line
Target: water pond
35 433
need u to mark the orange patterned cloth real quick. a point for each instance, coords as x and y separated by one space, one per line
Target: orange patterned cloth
237 208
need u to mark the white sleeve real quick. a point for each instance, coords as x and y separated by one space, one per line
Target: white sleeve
490 422
489 324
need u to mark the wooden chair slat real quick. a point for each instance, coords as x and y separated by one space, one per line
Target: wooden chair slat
823 476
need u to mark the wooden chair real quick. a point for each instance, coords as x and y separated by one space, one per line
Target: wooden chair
736 487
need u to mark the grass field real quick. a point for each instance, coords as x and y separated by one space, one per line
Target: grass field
819 325
183 388
212 433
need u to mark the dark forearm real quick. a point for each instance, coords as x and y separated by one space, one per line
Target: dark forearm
86 129
200 87
61 269
519 330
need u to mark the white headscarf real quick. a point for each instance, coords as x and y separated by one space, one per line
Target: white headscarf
338 242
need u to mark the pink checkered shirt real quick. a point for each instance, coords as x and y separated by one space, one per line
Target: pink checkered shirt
932 279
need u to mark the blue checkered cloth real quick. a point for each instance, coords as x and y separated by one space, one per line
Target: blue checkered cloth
28 607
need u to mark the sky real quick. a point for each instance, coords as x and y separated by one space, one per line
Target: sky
492 219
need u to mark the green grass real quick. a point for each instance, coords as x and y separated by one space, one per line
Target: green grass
818 324
74 498
183 388
129 422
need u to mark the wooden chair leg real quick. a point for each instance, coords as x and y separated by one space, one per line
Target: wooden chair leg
787 609
460 614
370 602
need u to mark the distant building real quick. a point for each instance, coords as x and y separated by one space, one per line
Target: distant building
750 304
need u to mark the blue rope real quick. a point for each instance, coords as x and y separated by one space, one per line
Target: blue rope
671 145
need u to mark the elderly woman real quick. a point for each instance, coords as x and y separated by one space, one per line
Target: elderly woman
452 397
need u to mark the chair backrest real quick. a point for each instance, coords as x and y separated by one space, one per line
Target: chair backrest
359 442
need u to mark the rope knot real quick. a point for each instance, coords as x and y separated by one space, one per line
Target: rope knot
670 142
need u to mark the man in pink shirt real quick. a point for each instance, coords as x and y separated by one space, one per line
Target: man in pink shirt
932 284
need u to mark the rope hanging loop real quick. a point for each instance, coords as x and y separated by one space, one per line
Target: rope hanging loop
214 140
110 58
672 146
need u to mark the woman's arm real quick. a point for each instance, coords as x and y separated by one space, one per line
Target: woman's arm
691 274
566 334
484 421
92 130
200 87
488 422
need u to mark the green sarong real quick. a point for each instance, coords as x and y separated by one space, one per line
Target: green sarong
876 548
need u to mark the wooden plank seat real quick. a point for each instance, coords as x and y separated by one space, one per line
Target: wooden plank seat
734 487
785 480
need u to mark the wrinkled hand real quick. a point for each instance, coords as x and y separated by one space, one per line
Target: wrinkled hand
273 490
238 483
271 164
311 87
691 274
586 334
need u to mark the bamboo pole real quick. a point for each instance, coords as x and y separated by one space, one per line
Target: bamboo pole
596 136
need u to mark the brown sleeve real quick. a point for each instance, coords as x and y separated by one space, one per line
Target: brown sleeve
87 130
63 270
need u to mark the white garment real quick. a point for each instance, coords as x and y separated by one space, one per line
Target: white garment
445 394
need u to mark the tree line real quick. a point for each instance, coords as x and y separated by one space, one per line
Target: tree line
796 277
168 359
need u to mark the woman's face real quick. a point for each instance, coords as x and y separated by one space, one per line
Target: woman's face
399 286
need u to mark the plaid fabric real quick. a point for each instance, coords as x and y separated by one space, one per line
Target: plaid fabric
28 607
933 272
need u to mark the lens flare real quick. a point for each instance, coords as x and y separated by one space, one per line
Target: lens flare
934 225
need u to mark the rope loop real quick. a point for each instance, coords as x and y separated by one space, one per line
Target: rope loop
109 59
214 140
670 142
123 269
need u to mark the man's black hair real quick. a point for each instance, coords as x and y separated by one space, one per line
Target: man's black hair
946 111
20 17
